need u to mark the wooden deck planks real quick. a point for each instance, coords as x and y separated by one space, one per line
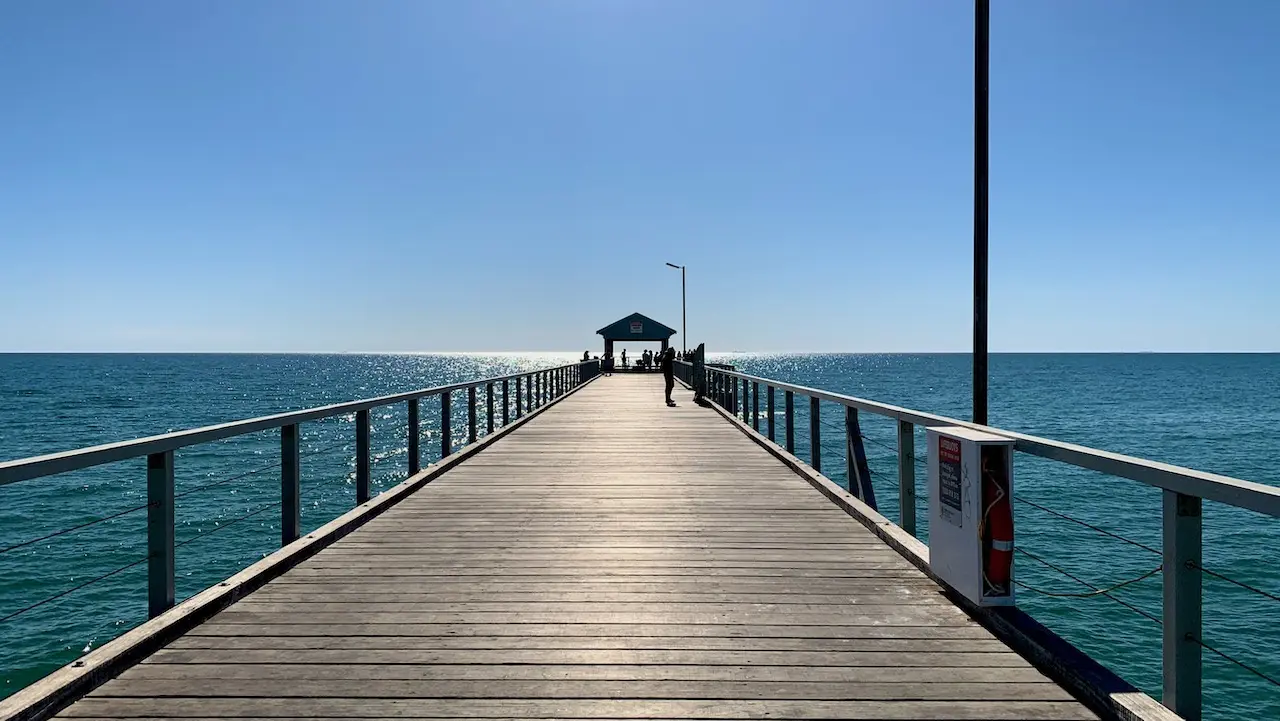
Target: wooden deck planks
613 558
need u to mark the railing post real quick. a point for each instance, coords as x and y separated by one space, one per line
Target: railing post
907 477
160 568
755 405
528 393
518 413
789 413
815 435
488 407
362 456
746 396
506 400
290 484
857 471
415 434
471 414
1182 613
446 423
769 410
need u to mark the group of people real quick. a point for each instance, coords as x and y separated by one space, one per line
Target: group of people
664 360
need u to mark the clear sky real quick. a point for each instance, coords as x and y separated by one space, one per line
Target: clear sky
310 175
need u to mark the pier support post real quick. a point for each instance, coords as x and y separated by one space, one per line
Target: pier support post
471 414
789 420
907 477
160 551
446 423
769 410
815 435
857 471
362 456
506 401
755 406
415 434
290 484
1182 612
488 407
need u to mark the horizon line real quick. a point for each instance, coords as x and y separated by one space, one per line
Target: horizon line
575 353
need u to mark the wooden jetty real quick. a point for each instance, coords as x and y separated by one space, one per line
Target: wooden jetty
608 558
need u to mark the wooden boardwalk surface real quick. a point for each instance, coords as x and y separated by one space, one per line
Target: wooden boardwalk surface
612 558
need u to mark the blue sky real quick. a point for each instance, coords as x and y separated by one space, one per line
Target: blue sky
312 175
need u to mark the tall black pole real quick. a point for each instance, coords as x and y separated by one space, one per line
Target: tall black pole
684 317
981 63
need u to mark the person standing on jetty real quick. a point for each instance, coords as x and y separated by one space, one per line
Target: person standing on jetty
668 372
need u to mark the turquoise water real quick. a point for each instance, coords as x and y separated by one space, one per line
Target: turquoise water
1212 412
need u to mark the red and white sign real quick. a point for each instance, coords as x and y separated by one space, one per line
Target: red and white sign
637 326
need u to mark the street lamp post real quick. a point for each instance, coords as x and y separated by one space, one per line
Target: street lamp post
981 71
684 327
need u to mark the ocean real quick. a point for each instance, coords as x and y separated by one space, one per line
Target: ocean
1214 412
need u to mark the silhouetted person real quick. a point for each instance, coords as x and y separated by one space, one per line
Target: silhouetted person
669 372
624 357
586 355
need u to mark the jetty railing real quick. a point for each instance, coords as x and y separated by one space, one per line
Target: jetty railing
1183 491
520 394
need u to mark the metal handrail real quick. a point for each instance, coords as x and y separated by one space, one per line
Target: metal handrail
1237 492
539 387
1183 491
23 469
